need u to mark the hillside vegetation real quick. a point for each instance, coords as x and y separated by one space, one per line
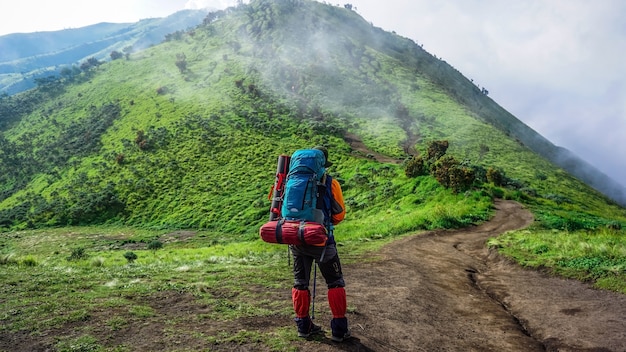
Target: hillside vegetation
185 136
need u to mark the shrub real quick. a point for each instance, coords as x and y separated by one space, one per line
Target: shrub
450 174
415 167
614 225
155 245
141 140
436 150
29 261
77 254
130 256
359 179
119 159
97 262
495 176
480 173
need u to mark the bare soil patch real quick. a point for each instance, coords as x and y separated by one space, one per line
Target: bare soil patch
359 148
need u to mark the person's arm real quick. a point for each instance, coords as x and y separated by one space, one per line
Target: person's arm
338 208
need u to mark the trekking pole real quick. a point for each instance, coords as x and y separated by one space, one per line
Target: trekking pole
315 283
314 291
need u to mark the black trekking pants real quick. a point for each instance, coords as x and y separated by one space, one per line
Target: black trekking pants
327 259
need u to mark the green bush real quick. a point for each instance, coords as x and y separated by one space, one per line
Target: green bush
77 254
155 245
29 261
415 167
130 256
450 174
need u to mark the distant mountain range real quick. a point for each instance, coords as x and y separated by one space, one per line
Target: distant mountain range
27 56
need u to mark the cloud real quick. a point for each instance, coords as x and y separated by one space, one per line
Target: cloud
210 4
567 81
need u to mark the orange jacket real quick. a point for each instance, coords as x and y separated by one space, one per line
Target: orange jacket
338 209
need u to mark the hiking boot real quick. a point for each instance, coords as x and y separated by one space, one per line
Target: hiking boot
341 338
339 327
315 329
306 327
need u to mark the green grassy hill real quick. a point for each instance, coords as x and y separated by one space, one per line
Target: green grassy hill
185 136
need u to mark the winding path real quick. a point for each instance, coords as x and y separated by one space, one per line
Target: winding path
444 291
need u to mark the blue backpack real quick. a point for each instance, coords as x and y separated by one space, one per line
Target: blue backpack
306 170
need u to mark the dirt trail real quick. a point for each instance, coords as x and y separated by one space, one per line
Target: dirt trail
444 291
359 147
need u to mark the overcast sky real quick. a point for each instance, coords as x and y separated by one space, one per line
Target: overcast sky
557 65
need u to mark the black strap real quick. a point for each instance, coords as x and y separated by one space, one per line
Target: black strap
279 231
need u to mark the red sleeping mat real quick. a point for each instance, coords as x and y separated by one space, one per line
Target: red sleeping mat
294 232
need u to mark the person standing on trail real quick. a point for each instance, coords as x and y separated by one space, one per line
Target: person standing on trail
330 201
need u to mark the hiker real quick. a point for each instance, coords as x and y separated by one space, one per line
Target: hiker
330 201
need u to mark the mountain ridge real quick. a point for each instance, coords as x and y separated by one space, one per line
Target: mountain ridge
26 56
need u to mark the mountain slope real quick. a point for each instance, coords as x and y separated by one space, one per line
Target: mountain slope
186 133
26 56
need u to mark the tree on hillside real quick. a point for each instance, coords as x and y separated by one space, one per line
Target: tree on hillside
69 73
116 55
92 62
47 83
178 35
212 16
181 62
